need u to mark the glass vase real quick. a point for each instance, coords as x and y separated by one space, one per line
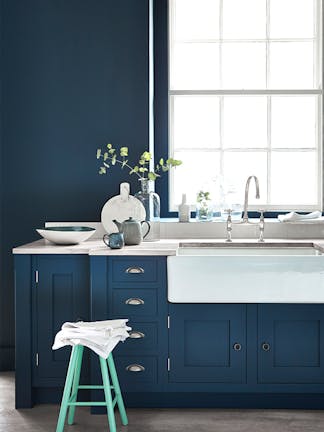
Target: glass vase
151 203
204 211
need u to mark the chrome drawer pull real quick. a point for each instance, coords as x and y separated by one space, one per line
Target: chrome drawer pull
134 301
134 270
237 347
135 368
136 335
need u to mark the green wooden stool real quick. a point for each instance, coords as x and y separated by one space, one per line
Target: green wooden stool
70 393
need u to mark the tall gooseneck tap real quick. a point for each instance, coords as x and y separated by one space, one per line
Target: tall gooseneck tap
246 196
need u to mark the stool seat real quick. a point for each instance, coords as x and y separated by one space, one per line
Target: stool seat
71 388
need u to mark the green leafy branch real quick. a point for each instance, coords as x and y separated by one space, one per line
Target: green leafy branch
203 196
110 157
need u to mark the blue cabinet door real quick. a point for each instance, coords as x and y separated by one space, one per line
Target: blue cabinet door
60 294
291 343
207 343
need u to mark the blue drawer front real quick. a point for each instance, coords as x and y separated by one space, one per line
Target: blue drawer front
133 270
135 371
143 338
122 300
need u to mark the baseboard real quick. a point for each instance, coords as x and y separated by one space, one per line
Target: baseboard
7 358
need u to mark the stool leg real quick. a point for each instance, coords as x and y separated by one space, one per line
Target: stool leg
109 402
75 385
67 389
115 383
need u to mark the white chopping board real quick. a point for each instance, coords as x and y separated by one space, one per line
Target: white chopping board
121 207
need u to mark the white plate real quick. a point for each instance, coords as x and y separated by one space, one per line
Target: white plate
121 207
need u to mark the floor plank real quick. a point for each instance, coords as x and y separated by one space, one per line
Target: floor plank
42 418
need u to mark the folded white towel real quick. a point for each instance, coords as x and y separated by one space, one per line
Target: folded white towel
100 336
295 217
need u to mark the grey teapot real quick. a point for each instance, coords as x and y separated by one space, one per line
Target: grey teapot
132 230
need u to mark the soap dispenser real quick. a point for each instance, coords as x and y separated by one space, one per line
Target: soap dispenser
184 210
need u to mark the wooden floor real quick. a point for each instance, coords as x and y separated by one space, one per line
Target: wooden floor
43 418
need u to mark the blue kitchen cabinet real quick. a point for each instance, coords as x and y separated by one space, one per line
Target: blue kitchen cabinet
61 294
50 289
177 354
291 344
134 287
207 343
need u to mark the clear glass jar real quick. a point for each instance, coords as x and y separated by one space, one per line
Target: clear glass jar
151 203
204 207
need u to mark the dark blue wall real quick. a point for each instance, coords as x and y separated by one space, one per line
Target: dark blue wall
75 76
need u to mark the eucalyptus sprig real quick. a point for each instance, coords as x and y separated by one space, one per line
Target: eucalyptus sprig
112 157
203 196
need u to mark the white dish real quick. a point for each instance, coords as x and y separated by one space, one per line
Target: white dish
121 207
66 235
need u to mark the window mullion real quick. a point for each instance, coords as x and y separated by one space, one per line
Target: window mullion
269 145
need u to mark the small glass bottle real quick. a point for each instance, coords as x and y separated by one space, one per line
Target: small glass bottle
184 210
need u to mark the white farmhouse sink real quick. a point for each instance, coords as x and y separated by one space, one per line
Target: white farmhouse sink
231 273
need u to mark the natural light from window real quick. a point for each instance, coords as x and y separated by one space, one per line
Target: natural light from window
245 98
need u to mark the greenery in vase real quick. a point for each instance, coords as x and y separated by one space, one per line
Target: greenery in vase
110 157
203 207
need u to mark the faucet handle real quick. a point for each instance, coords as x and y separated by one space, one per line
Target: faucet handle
261 226
229 225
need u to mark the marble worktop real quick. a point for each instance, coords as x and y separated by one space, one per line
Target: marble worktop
162 247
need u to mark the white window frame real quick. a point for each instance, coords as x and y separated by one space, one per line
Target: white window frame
318 77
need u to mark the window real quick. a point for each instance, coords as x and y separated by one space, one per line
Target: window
245 98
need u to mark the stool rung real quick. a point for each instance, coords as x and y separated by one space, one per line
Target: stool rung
87 404
92 387
92 403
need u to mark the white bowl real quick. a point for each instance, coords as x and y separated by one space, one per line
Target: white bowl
66 235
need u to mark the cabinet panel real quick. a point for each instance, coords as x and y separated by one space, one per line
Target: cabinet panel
290 343
136 371
133 269
61 294
207 343
134 303
143 338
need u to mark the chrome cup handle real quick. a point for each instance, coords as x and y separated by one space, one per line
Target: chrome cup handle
148 228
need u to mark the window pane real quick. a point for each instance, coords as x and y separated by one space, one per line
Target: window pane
238 166
293 121
196 19
291 65
244 65
291 18
293 178
196 122
198 170
244 19
195 66
245 122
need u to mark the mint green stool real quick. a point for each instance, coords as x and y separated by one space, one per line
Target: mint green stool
70 393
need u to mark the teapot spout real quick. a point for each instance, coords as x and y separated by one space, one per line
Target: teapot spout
118 225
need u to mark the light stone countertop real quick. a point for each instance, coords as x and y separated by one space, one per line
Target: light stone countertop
162 247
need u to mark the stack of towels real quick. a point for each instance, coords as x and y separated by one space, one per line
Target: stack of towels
100 336
314 217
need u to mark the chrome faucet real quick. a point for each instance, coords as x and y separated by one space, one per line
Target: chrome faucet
246 196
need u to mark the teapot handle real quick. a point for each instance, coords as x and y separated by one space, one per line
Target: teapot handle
148 228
